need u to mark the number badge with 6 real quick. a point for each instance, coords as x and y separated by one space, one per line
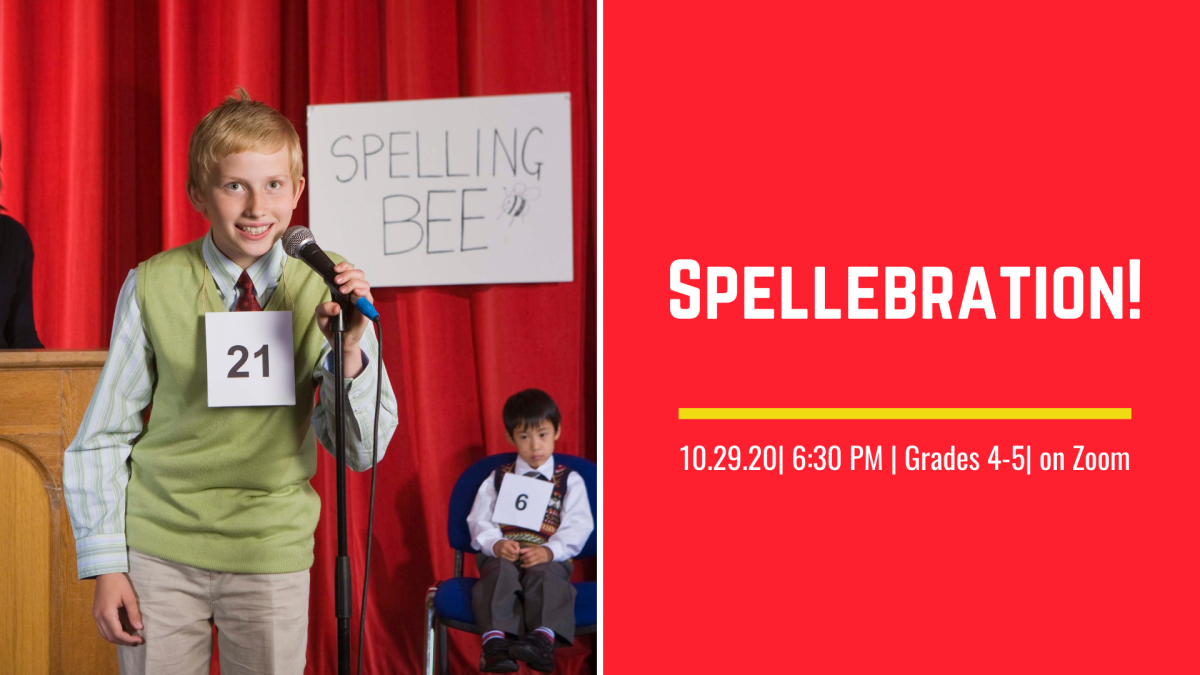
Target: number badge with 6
522 501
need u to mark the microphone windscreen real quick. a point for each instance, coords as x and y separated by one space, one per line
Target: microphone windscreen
295 239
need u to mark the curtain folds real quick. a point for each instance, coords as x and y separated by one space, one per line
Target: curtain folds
97 102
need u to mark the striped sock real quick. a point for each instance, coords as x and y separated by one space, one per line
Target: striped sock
491 634
547 632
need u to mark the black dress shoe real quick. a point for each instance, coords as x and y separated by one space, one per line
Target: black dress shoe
495 657
537 650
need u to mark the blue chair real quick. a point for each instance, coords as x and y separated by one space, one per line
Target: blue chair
448 603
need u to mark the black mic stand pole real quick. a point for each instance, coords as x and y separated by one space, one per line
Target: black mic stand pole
342 575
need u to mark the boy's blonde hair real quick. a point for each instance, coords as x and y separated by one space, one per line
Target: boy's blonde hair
240 125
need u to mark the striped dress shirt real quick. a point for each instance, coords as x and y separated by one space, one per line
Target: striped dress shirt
96 464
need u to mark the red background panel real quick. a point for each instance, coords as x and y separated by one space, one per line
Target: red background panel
936 134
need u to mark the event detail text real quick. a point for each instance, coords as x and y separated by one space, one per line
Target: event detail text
777 458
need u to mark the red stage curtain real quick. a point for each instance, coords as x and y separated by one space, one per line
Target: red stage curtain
97 101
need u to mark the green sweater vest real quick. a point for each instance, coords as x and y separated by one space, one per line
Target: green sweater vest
225 489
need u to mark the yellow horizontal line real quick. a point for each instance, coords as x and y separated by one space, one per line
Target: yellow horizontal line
906 413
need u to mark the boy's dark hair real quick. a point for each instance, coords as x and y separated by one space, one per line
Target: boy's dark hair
528 408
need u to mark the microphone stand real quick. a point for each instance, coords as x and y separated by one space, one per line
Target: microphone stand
342 603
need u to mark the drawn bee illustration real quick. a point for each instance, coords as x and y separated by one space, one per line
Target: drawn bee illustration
516 202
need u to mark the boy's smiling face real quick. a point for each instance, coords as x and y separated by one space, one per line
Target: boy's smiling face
535 444
249 202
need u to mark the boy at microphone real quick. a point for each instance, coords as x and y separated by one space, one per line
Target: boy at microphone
202 514
524 588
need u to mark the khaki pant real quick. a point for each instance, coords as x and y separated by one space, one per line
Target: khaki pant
261 619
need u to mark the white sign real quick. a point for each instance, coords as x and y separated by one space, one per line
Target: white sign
470 190
251 361
522 501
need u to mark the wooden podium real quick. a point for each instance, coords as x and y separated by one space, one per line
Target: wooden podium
46 623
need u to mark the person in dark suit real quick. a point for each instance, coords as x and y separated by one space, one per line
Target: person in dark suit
16 285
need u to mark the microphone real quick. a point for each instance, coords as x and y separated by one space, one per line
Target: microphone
299 243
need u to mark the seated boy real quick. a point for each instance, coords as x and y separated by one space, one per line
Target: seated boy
203 514
524 586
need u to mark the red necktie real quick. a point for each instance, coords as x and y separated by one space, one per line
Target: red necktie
248 302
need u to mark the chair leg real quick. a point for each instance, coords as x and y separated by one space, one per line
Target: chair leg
430 633
443 646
